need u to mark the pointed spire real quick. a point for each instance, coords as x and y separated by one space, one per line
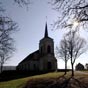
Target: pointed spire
46 31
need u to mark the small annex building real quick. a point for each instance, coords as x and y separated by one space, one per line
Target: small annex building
42 59
79 67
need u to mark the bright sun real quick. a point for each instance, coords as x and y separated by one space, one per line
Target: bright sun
75 23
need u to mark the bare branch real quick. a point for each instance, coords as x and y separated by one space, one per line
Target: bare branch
22 2
7 26
76 46
71 10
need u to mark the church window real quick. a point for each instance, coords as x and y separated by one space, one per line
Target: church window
49 49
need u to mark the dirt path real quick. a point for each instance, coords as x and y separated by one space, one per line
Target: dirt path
80 72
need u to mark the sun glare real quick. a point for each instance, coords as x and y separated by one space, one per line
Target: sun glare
75 23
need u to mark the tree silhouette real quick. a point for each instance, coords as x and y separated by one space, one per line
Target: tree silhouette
22 2
76 46
62 52
7 26
71 11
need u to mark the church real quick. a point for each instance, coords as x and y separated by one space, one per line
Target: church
42 59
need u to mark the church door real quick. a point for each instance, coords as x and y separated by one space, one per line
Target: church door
49 66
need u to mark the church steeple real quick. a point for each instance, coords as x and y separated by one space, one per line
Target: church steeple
46 44
46 31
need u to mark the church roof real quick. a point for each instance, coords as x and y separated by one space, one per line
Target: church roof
79 64
33 56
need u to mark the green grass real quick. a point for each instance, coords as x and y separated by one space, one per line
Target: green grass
20 83
43 79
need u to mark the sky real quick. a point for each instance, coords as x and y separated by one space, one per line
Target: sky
31 23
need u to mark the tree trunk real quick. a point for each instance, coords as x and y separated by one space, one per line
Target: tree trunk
65 68
72 69
1 67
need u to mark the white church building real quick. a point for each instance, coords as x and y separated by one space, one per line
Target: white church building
42 59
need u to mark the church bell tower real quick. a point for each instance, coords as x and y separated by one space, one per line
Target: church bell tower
46 45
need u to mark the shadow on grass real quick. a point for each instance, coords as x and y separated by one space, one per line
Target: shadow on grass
60 82
81 83
16 74
11 75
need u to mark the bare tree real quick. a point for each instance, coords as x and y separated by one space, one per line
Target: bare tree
7 26
62 52
71 11
75 47
22 2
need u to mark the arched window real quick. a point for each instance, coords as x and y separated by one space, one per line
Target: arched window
49 49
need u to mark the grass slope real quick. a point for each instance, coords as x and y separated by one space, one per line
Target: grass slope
20 83
49 80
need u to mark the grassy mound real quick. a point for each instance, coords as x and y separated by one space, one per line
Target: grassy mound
49 80
20 83
63 81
